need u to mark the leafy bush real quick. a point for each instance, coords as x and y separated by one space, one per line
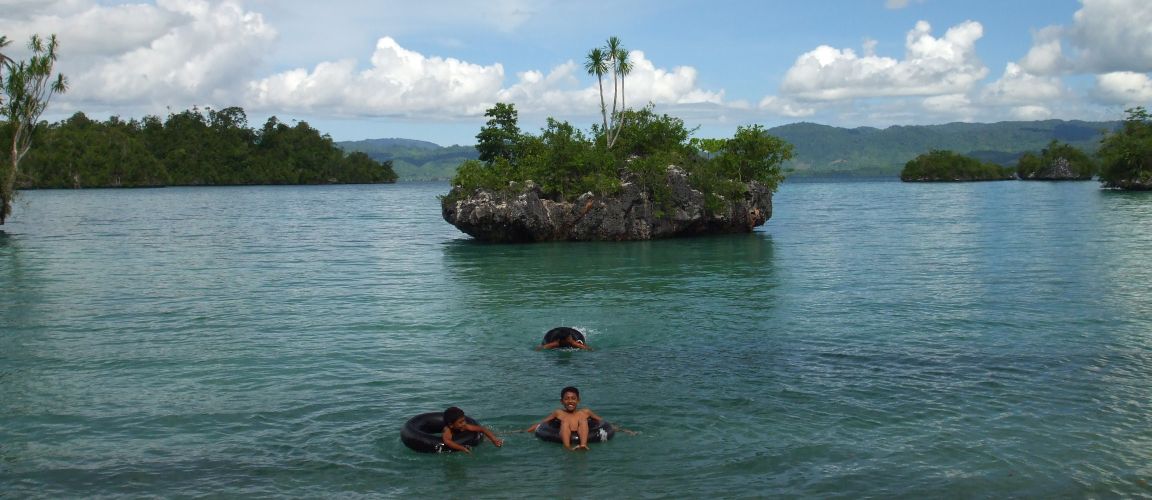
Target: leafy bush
1126 156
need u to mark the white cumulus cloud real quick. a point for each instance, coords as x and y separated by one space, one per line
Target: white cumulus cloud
1105 36
405 82
1018 86
399 82
1124 87
173 52
931 66
1046 57
1113 35
784 107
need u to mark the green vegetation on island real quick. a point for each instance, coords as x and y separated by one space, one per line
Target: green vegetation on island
1126 155
947 166
1058 161
191 148
565 162
628 146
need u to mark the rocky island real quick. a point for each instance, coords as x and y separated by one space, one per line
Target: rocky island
642 179
948 166
526 214
1057 162
634 176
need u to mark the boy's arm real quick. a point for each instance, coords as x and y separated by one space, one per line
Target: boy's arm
593 415
538 424
447 439
488 434
551 345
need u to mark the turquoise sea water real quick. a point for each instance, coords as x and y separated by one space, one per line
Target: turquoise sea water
874 339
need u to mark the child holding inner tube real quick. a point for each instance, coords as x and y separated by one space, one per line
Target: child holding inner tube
563 337
572 419
454 421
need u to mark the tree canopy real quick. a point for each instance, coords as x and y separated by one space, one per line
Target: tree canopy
567 162
1126 155
944 165
1058 160
27 87
192 148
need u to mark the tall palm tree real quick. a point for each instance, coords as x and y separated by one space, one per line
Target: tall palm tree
623 66
597 64
612 49
5 61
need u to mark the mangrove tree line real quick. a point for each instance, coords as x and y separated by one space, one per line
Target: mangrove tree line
191 148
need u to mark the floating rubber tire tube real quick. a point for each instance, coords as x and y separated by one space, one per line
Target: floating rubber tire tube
598 431
424 433
563 332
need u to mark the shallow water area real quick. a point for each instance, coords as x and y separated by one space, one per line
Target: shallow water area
873 339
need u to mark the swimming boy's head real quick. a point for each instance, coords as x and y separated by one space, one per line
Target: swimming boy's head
454 418
569 398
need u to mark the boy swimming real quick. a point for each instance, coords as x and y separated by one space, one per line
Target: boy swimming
572 419
454 421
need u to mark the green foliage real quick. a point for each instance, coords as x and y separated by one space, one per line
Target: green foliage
565 162
500 137
944 165
192 148
647 133
1057 156
27 87
754 155
1126 155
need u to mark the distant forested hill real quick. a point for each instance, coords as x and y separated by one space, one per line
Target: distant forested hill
414 160
820 150
824 150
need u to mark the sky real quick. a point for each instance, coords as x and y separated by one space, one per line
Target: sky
358 69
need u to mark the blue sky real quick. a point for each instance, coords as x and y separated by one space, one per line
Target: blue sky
427 70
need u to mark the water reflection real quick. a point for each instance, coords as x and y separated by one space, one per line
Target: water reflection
614 290
616 265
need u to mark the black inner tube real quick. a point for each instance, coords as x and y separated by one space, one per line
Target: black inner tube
563 332
598 431
424 433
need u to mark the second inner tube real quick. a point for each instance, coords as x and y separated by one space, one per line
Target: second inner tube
598 431
424 433
563 332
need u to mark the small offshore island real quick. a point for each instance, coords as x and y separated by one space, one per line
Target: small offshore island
1125 161
636 176
647 180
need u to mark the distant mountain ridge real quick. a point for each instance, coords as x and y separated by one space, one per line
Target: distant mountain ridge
414 160
820 150
826 150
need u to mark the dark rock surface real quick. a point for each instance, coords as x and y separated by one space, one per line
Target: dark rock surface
525 216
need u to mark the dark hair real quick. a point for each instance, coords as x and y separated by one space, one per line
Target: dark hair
452 414
568 389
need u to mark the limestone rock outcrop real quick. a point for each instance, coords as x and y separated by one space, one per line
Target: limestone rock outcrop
1059 170
523 214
